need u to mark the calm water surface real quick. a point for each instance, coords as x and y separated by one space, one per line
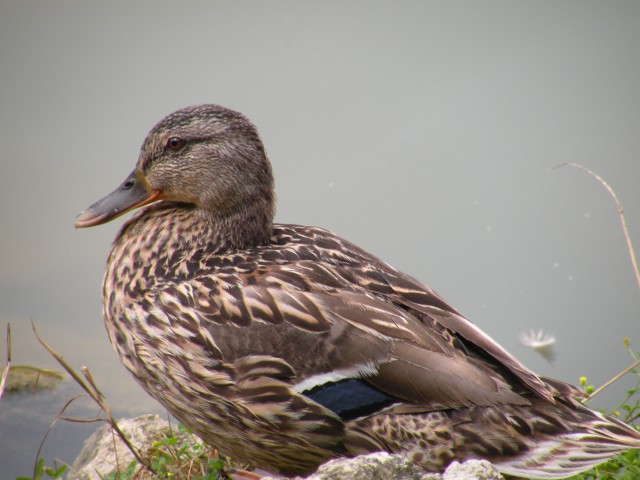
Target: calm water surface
425 132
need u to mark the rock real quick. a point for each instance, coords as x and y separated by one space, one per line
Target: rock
24 378
472 470
383 466
98 456
374 466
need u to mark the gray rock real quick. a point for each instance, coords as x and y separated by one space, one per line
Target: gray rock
383 466
375 466
98 458
98 455
472 470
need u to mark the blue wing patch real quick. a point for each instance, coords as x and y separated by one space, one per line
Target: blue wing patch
350 398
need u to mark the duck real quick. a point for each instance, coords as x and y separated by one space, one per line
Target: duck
285 346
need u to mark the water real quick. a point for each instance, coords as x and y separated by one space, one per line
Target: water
425 132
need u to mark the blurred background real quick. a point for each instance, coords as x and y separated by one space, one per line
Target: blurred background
426 132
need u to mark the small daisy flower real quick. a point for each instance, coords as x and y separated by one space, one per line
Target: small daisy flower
540 342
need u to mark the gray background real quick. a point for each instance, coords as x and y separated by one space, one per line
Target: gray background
423 131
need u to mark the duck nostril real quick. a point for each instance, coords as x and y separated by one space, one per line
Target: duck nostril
128 185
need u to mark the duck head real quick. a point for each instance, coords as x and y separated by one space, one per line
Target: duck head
206 156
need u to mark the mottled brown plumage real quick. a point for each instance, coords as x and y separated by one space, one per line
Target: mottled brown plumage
285 346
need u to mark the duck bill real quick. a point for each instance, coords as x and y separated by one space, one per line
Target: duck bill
134 192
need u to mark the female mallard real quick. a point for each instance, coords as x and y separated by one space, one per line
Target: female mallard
285 346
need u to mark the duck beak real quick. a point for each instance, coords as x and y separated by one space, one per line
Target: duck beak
134 192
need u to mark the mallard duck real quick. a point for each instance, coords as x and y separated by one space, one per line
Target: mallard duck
285 345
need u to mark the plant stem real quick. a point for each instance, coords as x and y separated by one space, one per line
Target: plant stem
623 372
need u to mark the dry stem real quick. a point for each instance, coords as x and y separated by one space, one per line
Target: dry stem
88 385
632 255
5 372
627 237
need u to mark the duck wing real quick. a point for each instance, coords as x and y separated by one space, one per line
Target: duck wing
431 310
423 303
345 321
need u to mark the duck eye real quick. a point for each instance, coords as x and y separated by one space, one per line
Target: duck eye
176 143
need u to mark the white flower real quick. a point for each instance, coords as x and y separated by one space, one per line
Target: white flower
540 342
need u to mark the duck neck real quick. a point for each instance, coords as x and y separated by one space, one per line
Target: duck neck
169 240
239 230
